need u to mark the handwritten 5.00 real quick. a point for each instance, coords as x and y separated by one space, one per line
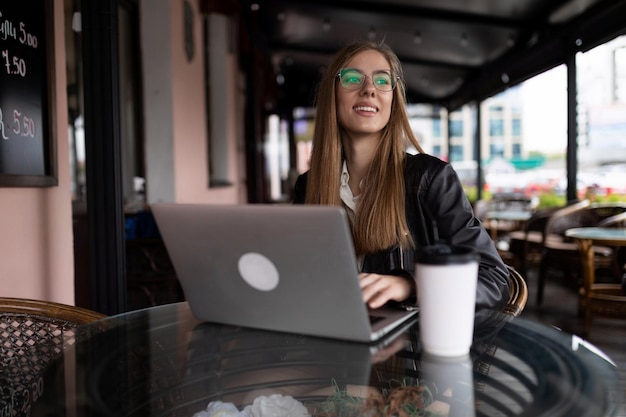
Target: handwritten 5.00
21 125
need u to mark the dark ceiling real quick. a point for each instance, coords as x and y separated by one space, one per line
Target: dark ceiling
453 51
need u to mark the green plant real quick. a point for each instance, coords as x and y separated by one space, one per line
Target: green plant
402 401
472 194
610 198
547 200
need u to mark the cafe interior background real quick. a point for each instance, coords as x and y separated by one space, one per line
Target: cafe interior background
181 101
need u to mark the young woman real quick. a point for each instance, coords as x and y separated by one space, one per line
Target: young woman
397 202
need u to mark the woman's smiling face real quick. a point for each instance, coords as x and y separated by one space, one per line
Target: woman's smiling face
365 110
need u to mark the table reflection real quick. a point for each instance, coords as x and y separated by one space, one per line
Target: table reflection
163 362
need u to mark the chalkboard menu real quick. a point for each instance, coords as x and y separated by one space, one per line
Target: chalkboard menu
27 151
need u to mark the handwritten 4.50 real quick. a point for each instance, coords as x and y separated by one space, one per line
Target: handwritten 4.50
21 125
14 65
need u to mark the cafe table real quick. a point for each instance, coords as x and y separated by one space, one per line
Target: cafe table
598 298
161 361
496 219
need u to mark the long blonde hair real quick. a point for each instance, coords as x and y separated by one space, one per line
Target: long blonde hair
380 221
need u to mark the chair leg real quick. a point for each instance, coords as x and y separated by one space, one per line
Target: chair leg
543 270
522 265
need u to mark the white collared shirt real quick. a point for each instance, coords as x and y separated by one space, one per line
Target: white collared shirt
349 200
345 192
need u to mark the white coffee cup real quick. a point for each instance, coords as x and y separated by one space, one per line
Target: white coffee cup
446 280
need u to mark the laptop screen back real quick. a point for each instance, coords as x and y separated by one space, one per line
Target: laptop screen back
276 267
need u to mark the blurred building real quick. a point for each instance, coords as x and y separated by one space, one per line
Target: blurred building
501 129
602 104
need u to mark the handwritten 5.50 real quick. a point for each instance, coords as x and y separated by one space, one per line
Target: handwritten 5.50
22 125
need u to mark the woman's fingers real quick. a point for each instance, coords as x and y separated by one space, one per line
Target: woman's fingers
379 289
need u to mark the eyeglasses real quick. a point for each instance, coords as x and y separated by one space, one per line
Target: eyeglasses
353 79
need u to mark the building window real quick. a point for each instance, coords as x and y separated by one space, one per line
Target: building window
456 153
436 127
516 150
496 150
496 127
619 59
516 127
456 128
437 150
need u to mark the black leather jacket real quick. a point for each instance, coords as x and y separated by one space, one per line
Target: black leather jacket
435 198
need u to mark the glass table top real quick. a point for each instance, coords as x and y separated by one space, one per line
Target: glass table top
512 215
600 233
163 362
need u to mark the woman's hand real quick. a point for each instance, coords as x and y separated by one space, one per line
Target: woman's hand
378 289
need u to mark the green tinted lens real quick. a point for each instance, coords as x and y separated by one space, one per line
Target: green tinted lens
350 78
383 81
353 79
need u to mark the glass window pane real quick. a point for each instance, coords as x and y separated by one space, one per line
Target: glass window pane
524 139
602 122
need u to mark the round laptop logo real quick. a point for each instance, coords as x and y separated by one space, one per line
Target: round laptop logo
258 271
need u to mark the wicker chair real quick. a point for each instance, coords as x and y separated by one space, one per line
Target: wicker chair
32 333
518 293
526 245
561 253
617 220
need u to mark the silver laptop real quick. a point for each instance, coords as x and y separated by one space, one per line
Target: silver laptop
289 268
